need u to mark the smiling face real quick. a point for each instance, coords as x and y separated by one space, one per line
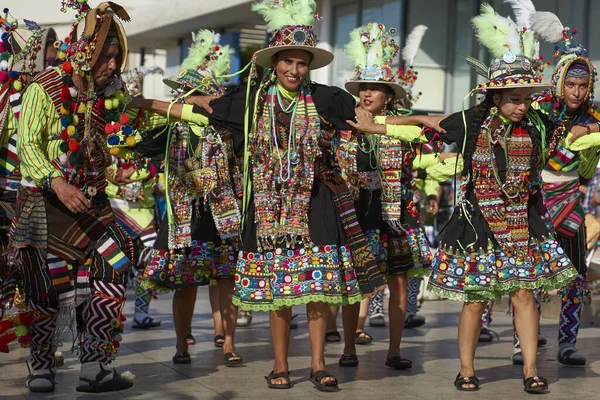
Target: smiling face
513 103
291 67
374 97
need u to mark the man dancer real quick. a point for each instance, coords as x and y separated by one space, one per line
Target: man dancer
63 215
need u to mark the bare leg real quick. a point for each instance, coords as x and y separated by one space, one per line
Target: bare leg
332 318
350 320
213 294
362 315
317 325
527 323
183 311
280 336
228 313
469 325
397 311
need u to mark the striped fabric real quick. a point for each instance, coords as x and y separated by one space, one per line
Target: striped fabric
562 200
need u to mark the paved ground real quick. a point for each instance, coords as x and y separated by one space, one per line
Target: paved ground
432 349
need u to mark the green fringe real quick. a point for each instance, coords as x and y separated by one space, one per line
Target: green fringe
478 294
278 304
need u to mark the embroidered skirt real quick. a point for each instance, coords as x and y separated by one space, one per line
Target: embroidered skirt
325 272
401 253
207 259
470 266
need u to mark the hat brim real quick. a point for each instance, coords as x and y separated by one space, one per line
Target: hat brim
540 87
353 87
174 83
321 57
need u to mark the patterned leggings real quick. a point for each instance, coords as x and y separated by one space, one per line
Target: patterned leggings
105 306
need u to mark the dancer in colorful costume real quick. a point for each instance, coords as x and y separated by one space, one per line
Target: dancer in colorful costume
63 215
498 240
379 174
301 242
133 204
199 241
22 58
573 161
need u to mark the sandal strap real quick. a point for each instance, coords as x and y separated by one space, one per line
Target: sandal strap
466 380
320 375
535 379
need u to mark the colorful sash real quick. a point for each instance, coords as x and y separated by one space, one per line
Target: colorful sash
562 200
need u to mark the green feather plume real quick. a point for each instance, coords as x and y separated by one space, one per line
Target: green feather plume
497 33
222 64
355 49
203 40
286 12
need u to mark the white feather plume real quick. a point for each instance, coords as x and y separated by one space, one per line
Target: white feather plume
523 10
413 42
154 69
548 26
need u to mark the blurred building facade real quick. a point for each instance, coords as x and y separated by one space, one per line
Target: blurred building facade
160 34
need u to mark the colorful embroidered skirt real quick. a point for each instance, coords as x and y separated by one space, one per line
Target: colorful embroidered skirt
335 270
397 253
208 259
488 272
197 265
288 277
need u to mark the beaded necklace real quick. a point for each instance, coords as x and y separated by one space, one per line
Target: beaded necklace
504 205
282 190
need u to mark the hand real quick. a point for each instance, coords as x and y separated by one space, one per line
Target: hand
433 122
578 131
70 196
123 176
201 101
364 122
433 207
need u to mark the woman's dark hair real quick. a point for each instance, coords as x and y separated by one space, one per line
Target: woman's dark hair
482 111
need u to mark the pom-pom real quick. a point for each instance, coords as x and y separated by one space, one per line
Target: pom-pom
64 147
13 75
81 109
556 104
65 94
21 330
116 344
67 67
71 130
64 135
114 151
131 142
124 119
108 104
5 10
127 129
113 140
73 145
4 66
108 129
3 76
74 158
